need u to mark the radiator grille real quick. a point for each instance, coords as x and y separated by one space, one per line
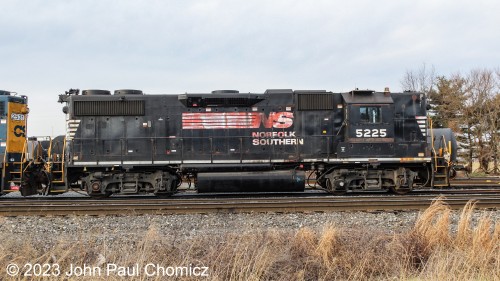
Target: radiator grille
2 108
228 102
315 102
109 108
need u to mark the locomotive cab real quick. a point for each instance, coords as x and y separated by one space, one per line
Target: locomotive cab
384 145
370 127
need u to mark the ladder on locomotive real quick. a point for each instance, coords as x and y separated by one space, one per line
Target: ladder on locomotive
441 163
53 163
15 169
34 153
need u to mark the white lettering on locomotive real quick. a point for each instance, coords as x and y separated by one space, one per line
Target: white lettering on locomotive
276 138
17 117
371 133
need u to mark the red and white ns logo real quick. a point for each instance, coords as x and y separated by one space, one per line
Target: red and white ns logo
276 120
237 120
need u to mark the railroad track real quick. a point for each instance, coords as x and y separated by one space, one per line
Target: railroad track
473 182
234 205
476 181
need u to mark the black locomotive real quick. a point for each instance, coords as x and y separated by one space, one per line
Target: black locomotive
129 142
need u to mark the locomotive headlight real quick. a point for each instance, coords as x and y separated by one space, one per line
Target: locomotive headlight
341 184
420 154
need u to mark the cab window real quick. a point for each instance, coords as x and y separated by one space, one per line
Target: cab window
370 114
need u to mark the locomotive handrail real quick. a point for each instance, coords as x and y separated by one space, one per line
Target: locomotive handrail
3 164
153 150
239 148
447 149
432 145
63 162
48 164
23 158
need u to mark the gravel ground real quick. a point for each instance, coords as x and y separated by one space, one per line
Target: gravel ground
117 229
203 239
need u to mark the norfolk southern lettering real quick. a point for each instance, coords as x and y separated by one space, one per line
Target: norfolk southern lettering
276 138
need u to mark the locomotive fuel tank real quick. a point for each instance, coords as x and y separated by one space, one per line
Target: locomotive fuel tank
259 181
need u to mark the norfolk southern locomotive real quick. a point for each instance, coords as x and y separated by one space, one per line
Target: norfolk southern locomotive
224 141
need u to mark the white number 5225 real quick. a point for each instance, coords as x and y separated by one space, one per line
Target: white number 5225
371 133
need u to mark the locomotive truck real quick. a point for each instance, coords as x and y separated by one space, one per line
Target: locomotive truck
129 142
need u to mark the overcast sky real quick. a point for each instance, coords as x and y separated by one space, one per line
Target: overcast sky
47 47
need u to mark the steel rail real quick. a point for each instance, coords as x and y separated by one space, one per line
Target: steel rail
231 205
245 196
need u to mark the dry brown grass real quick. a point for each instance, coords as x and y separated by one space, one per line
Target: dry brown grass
432 250
471 252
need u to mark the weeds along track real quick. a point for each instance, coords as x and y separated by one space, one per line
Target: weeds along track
131 206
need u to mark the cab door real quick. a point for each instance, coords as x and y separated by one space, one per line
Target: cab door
371 123
370 131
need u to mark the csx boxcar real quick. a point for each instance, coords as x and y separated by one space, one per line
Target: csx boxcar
130 143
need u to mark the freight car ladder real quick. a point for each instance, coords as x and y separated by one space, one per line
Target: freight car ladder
441 163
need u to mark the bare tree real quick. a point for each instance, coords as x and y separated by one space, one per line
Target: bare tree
495 132
480 96
469 105
421 80
495 124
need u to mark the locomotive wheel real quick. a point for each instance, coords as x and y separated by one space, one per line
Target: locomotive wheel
164 195
452 173
330 188
400 191
339 192
100 195
27 189
36 182
88 189
44 183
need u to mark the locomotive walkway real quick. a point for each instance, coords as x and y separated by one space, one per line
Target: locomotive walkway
318 203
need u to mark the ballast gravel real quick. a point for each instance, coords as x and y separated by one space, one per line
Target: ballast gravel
120 229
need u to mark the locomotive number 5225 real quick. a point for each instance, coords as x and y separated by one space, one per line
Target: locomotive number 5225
371 133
